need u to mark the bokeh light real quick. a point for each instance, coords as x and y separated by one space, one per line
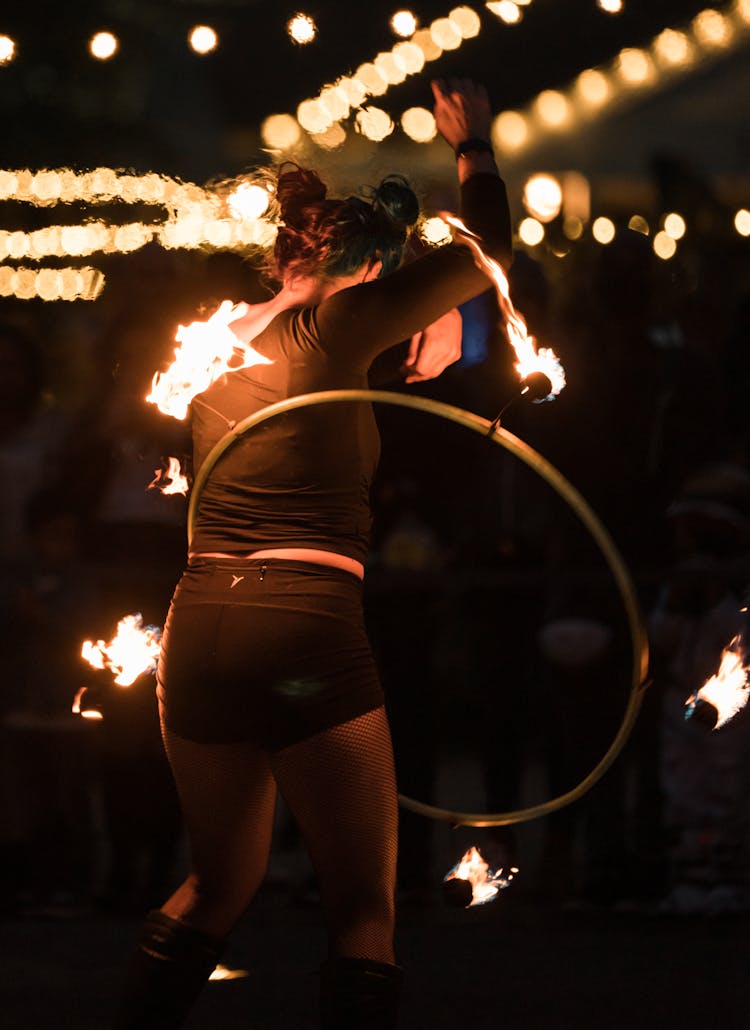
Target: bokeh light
280 131
312 116
742 9
334 102
603 230
742 222
248 201
103 45
404 23
372 79
419 124
467 21
410 56
374 123
302 28
390 68
506 10
445 34
672 47
674 225
510 130
333 137
552 108
531 232
573 227
542 197
610 6
664 246
712 28
7 49
203 39
593 87
634 66
423 39
639 224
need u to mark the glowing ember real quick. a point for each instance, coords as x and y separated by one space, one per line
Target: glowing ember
207 351
170 480
529 359
485 884
133 650
728 689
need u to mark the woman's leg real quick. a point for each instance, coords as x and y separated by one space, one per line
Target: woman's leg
340 785
227 794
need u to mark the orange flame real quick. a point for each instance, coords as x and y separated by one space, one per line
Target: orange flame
171 480
227 973
87 713
727 690
485 884
133 650
207 351
529 358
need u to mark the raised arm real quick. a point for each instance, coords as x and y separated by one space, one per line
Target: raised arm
356 324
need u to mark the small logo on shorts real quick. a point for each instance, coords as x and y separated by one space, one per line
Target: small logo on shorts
235 581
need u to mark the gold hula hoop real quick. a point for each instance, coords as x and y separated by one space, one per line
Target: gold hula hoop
564 489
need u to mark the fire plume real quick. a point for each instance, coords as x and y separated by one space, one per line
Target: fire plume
170 480
529 358
207 351
728 689
133 650
485 884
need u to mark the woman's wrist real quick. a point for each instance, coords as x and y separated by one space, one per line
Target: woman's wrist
474 145
475 162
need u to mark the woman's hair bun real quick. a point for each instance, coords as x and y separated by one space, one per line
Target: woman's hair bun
395 201
297 188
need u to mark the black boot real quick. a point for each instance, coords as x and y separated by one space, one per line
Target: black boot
357 994
170 966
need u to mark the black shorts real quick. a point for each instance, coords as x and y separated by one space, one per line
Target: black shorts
266 650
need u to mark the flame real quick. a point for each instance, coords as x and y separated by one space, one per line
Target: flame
529 359
87 713
170 480
133 650
485 884
225 973
727 690
207 351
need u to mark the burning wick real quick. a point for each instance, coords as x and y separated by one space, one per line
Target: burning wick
727 690
542 375
133 650
472 882
226 973
170 480
207 351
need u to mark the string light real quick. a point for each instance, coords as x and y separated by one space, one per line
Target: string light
742 10
446 34
419 124
203 39
510 131
506 10
391 68
280 131
593 87
742 222
467 21
553 108
333 137
410 56
302 28
404 23
639 224
610 6
711 28
603 230
672 47
634 66
7 49
531 232
674 225
664 246
424 40
573 227
51 283
374 123
103 46
543 197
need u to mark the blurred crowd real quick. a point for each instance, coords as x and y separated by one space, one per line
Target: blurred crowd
498 628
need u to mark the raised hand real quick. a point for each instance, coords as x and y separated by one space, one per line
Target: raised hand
462 110
434 348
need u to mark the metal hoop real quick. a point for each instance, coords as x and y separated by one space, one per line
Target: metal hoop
565 490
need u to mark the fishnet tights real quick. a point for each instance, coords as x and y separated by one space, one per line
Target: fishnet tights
340 786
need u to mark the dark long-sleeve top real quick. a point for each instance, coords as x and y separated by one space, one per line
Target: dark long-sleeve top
303 478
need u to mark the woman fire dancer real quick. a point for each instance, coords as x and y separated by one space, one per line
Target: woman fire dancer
266 680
